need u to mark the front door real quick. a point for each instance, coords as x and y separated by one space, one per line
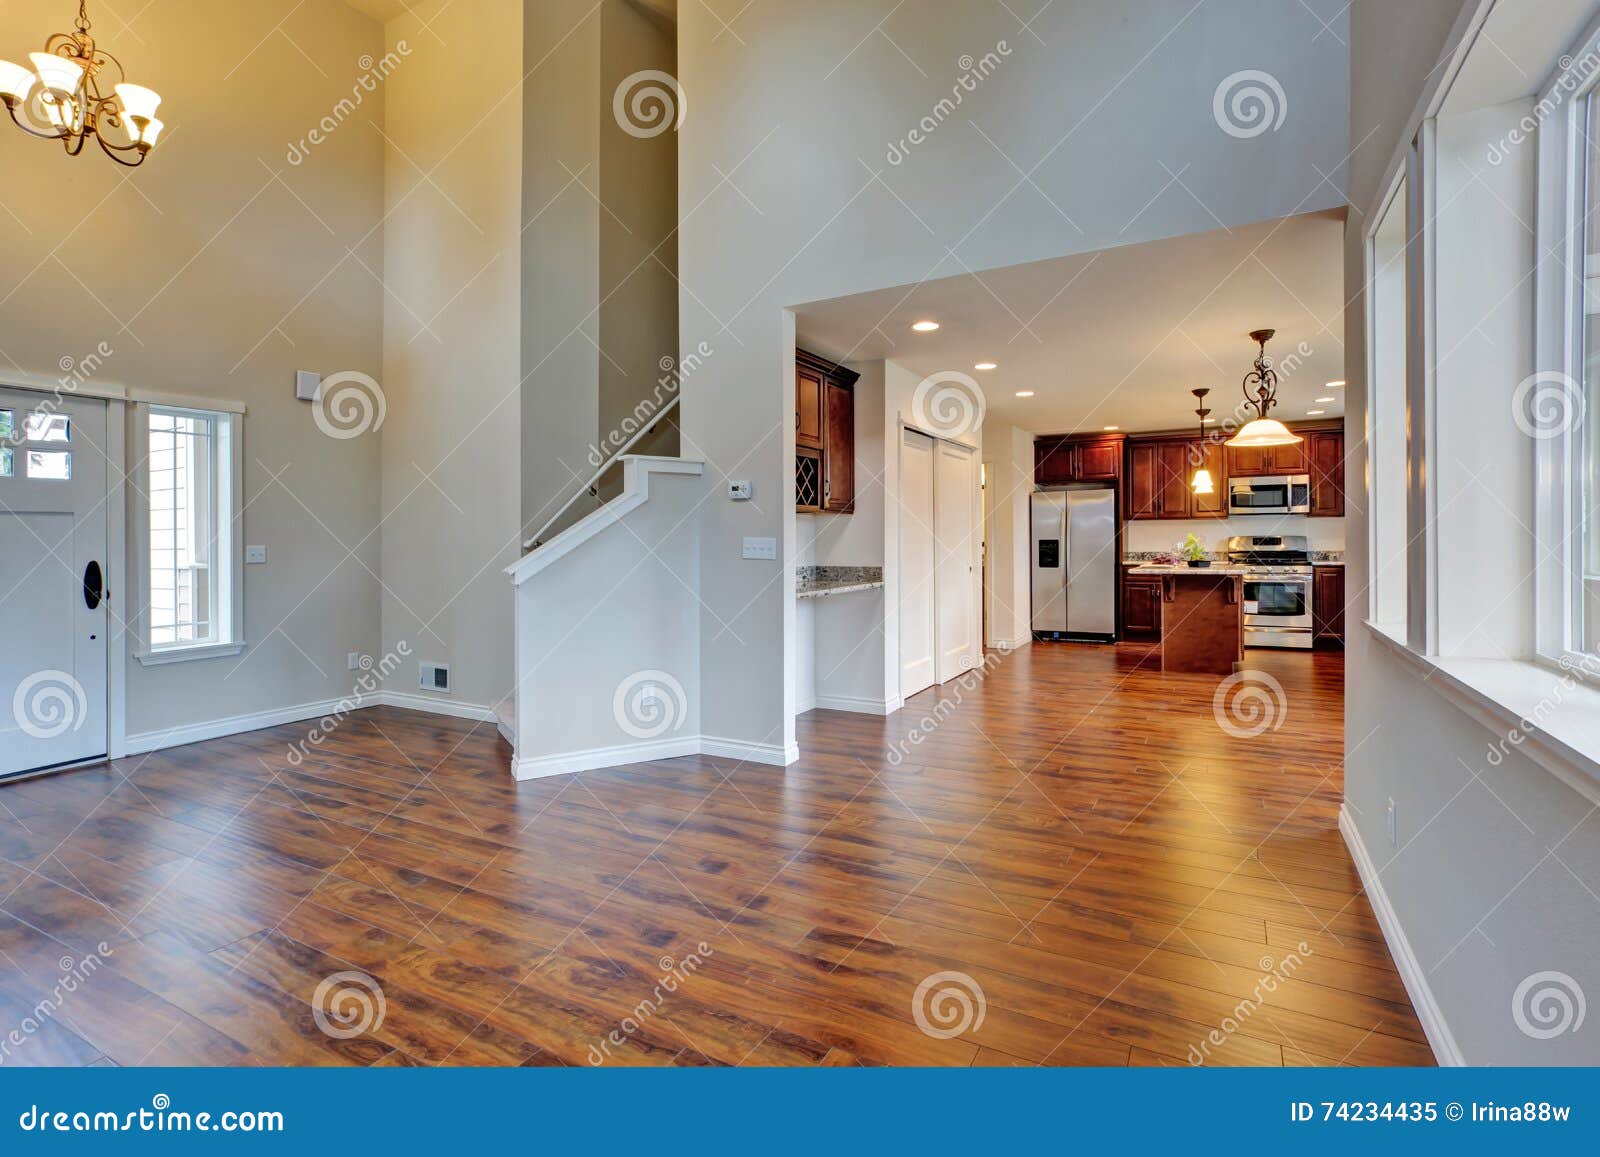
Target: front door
53 615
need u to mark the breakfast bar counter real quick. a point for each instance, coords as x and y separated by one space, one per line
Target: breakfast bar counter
1202 618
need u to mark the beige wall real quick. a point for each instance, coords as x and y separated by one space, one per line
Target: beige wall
218 269
451 352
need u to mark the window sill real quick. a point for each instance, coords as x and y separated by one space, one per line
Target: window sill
1550 716
185 654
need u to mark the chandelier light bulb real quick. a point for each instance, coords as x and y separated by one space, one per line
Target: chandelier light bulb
58 74
148 134
15 82
137 101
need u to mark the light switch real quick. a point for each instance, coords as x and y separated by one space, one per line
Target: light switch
255 555
763 548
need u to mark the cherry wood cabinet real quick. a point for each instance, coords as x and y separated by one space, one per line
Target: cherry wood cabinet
838 448
824 435
1141 606
1252 462
1086 458
1325 465
1160 473
1144 475
1327 604
1213 456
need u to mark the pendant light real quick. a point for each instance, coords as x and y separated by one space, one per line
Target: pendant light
1261 391
1202 483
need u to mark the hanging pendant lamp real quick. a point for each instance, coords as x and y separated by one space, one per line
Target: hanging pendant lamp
1261 392
1202 482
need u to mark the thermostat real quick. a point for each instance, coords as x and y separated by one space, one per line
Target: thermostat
740 491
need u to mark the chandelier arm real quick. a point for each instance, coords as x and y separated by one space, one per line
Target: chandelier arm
32 132
107 149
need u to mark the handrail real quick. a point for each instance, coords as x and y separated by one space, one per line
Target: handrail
591 486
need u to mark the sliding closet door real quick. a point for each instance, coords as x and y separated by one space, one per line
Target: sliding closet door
917 560
955 526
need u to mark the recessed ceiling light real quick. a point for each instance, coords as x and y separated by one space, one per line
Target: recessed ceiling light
1111 427
1314 413
924 326
1024 393
1319 400
984 366
1334 385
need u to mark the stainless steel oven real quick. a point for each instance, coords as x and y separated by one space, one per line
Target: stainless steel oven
1277 608
1270 494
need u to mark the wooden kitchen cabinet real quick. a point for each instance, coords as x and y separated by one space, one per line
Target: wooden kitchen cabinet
1327 604
838 448
1141 607
1160 472
1213 456
1325 464
1174 472
1253 462
824 435
1144 480
1058 461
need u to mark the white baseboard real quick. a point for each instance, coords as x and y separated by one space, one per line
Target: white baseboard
856 703
594 758
1012 644
1412 974
450 707
774 754
144 741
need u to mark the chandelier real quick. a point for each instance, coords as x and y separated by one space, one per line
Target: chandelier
1261 391
64 97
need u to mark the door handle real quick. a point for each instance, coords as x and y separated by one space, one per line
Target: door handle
93 585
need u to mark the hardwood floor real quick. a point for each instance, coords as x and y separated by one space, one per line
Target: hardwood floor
1074 834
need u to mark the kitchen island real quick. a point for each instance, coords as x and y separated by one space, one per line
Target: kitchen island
1202 617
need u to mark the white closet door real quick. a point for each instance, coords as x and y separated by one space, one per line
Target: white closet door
917 561
955 527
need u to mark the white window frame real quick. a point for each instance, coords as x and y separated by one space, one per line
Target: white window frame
1559 324
1393 201
228 556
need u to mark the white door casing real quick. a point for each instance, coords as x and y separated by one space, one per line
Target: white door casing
55 658
917 562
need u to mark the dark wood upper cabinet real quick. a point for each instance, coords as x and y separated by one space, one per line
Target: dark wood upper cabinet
824 435
838 448
1173 472
1144 480
1289 459
1248 462
1327 604
1325 464
1058 461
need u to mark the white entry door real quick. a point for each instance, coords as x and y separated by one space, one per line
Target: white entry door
955 528
54 636
917 555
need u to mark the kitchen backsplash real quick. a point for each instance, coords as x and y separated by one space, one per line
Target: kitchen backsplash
1144 536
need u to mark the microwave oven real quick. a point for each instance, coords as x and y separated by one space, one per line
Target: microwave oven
1271 494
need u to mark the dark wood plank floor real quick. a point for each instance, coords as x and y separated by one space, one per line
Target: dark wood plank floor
1073 836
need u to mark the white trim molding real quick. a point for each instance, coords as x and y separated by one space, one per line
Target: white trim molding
856 703
1440 1039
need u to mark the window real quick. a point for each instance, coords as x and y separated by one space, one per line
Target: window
189 475
1387 542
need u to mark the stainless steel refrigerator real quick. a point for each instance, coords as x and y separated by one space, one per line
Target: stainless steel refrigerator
1074 562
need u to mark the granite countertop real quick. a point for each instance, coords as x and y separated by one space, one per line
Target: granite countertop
1184 568
813 582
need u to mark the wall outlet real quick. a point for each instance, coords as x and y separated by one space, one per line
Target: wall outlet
352 661
763 548
255 555
1392 841
740 491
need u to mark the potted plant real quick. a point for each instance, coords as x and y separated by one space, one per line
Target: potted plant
1194 550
